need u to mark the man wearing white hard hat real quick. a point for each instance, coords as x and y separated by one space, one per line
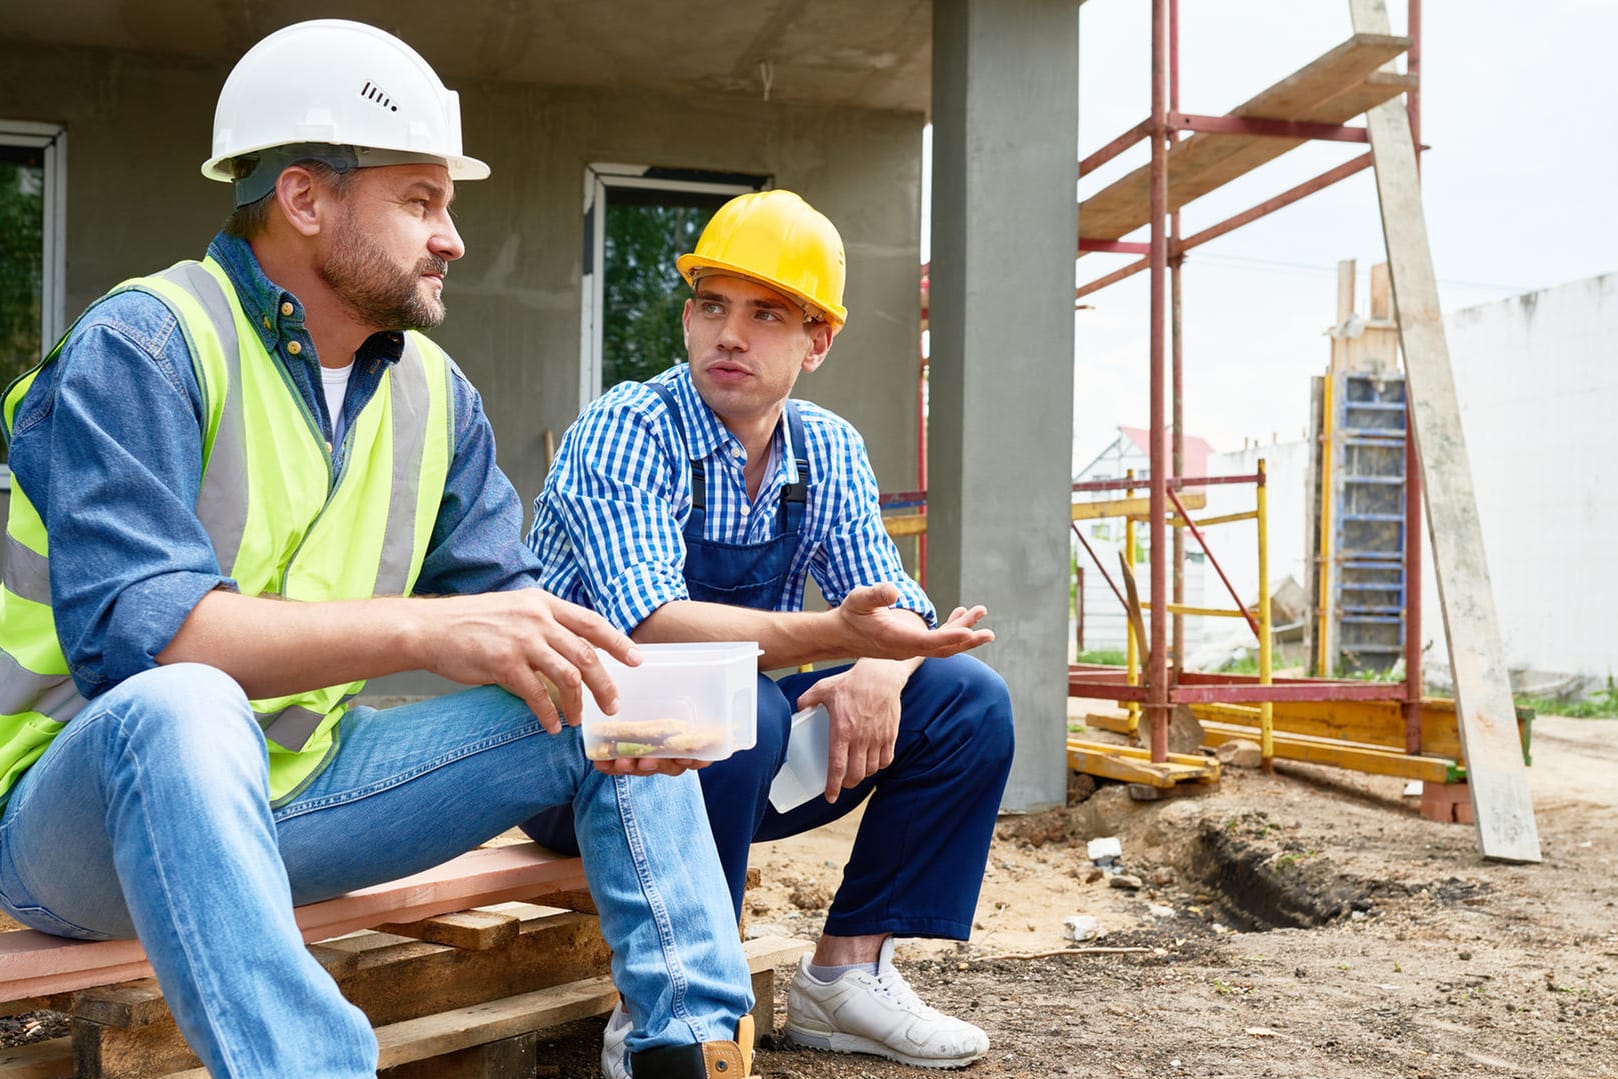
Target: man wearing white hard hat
235 484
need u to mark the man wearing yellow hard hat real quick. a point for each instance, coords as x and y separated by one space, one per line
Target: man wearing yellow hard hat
694 507
235 484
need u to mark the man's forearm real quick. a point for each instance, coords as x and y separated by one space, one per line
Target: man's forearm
788 638
275 647
538 647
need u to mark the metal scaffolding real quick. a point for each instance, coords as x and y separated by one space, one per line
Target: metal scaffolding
1312 104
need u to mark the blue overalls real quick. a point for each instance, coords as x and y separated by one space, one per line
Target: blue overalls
918 859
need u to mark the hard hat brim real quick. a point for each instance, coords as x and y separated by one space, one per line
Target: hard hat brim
693 266
460 166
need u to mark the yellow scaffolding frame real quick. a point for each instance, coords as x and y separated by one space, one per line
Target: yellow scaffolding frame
1263 626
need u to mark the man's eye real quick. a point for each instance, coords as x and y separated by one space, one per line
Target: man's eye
711 308
769 316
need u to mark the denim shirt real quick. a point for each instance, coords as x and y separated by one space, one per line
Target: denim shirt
118 418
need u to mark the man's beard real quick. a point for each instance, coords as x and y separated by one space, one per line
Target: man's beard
386 297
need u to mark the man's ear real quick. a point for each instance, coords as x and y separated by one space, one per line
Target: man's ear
685 326
820 335
299 196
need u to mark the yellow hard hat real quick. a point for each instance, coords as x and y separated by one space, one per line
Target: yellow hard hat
778 240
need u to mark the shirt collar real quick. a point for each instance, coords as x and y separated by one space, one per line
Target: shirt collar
276 313
707 435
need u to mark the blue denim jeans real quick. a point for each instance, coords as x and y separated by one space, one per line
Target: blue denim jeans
918 858
149 816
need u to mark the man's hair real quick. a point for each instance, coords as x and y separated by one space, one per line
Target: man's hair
252 219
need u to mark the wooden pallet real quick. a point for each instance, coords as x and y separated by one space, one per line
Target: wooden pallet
38 970
440 1011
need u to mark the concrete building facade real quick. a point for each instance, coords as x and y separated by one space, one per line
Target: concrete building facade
826 97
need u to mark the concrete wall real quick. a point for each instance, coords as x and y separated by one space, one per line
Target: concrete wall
139 127
1537 388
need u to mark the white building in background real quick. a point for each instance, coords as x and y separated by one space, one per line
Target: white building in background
1234 545
1103 618
1537 381
1538 387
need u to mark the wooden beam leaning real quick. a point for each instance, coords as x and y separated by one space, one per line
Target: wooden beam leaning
1503 808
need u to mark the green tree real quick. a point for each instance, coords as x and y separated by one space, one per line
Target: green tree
22 215
22 222
640 333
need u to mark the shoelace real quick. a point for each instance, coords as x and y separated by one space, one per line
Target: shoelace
892 985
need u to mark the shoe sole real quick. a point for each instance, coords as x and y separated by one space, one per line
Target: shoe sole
853 1043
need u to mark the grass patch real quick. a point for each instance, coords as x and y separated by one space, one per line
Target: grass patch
1603 704
1107 657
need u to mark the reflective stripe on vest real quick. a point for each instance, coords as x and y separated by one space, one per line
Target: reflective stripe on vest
278 524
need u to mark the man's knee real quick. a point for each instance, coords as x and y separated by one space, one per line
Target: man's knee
968 689
753 768
189 709
774 720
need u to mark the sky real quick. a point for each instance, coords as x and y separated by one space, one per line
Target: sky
1517 103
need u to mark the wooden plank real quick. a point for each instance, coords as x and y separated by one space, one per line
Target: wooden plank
35 964
1375 760
405 979
508 1058
1237 721
131 1004
1332 89
1131 507
1503 808
1377 723
470 930
909 524
1133 764
445 1032
51 1059
1374 723
462 1028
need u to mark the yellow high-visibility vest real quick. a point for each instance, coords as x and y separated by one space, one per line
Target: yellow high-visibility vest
281 525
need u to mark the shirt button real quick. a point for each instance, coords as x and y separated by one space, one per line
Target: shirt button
745 511
294 348
737 452
286 308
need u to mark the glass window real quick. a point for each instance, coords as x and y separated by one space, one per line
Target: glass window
31 185
637 222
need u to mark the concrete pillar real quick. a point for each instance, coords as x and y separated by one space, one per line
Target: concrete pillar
1004 228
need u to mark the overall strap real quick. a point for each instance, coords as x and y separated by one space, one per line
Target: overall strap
699 474
794 495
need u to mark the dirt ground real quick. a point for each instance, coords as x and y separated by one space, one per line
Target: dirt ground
1303 924
1306 923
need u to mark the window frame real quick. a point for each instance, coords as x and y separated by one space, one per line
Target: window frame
600 180
52 139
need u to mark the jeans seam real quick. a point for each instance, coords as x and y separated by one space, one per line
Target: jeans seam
678 982
356 794
183 938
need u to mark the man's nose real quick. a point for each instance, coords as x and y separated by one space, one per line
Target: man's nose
446 241
733 334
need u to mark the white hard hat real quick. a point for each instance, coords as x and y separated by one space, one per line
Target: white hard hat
344 84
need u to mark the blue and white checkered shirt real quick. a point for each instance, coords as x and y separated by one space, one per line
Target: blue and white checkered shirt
608 524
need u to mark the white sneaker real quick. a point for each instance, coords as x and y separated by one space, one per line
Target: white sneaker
614 1055
877 1013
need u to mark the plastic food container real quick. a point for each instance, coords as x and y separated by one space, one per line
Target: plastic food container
802 777
684 700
